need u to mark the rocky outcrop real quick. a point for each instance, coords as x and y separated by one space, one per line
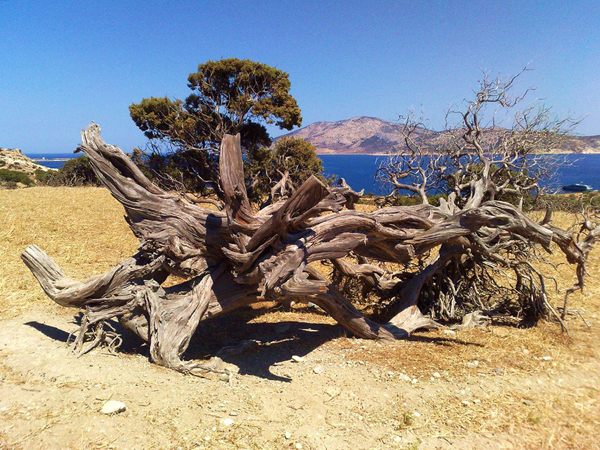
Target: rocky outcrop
14 159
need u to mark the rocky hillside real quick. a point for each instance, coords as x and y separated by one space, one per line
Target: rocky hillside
17 170
369 135
14 159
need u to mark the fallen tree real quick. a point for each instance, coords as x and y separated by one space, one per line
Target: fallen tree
237 255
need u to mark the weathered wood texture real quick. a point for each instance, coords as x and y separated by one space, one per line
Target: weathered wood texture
237 256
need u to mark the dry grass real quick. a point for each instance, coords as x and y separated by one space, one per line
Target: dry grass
82 229
514 390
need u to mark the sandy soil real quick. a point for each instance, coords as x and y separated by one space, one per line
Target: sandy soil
494 388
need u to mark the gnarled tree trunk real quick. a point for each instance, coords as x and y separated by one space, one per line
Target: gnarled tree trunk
237 256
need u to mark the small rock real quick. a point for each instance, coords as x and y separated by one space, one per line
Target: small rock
547 358
297 358
416 414
233 413
465 403
333 391
414 381
299 446
397 439
113 407
525 351
227 422
473 364
527 402
500 332
404 377
499 370
288 435
318 369
450 332
436 374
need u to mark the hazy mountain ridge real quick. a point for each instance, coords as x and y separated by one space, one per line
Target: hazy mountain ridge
370 135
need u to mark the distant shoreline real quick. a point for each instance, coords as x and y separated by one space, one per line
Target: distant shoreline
50 159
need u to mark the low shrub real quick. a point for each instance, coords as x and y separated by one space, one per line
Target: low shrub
75 172
12 177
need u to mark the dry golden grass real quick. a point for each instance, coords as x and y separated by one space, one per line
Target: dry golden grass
547 403
82 229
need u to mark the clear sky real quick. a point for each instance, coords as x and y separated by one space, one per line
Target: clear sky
66 63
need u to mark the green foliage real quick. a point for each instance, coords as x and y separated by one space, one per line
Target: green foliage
265 167
43 176
12 177
228 96
573 203
75 172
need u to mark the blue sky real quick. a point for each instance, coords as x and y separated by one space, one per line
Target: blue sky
67 63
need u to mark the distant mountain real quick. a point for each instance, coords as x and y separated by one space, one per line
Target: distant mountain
370 135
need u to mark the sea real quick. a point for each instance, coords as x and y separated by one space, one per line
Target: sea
359 170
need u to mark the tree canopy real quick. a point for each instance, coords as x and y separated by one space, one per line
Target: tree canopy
290 162
228 96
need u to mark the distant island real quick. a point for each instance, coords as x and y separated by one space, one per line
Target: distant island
373 136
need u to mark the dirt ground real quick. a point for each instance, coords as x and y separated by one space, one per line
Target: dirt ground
495 388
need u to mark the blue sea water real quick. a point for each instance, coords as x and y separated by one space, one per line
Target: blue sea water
53 164
359 170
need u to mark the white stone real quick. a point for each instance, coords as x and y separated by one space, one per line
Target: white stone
113 407
227 422
297 358
473 364
436 374
547 358
318 369
288 435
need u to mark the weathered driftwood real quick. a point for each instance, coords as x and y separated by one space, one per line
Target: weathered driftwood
235 256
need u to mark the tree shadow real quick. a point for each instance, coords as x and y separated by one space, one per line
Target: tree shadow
273 343
48 330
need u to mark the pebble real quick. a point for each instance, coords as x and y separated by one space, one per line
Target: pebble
288 435
416 414
299 446
404 377
113 407
333 391
318 369
297 358
436 374
547 358
227 422
473 364
500 332
450 332
465 403
233 413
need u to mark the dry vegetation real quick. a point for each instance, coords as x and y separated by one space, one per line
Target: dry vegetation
530 388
